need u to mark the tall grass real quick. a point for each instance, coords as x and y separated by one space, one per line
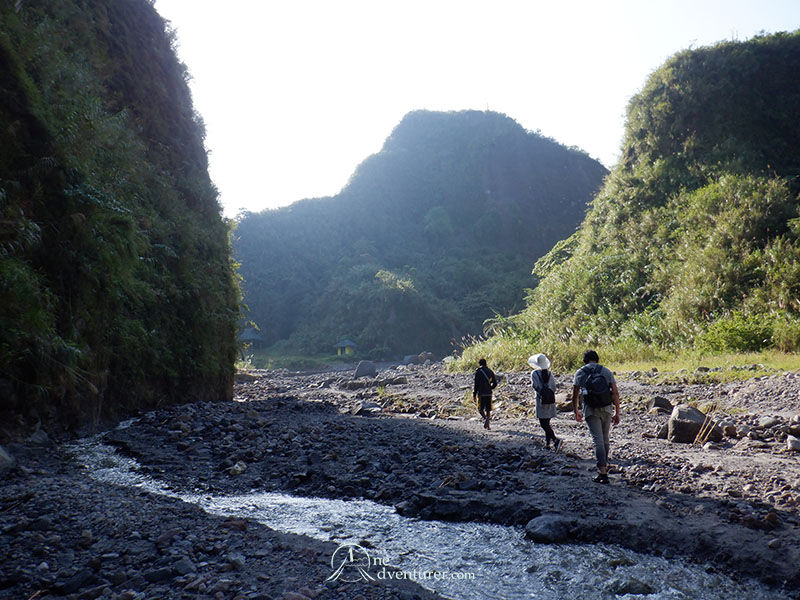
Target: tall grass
507 353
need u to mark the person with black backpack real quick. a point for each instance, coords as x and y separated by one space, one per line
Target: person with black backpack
485 382
544 383
598 387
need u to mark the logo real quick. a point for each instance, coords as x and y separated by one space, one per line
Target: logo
350 563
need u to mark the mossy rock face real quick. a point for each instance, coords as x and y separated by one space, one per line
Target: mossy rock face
118 292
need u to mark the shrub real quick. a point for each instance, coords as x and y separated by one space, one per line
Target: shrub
737 332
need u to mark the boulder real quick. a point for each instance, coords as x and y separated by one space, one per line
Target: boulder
564 402
685 423
411 359
365 368
629 586
660 404
425 356
237 469
768 422
40 438
7 461
793 443
365 408
549 529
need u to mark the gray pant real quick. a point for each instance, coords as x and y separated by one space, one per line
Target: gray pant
599 426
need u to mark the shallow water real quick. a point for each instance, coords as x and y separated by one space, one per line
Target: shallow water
458 560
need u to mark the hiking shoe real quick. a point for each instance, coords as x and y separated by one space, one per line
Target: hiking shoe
558 445
601 478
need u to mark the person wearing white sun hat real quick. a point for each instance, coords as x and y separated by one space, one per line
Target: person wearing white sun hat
544 383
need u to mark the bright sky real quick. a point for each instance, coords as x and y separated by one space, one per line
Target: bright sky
296 93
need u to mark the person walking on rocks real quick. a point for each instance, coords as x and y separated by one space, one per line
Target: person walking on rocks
544 383
485 382
600 406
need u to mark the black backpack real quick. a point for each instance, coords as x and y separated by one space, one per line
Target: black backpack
598 392
548 395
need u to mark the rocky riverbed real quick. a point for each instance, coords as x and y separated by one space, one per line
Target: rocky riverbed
407 437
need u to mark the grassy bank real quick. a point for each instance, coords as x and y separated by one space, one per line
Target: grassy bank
272 358
632 360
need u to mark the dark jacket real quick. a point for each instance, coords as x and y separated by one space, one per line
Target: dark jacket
485 382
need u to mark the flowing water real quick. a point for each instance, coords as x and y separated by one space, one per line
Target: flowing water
458 560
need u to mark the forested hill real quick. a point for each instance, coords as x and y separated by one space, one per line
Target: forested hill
694 240
431 236
116 286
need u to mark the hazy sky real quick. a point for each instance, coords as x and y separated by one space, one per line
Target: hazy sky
296 93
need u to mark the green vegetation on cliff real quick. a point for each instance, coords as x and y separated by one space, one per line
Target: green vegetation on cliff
694 240
116 286
432 235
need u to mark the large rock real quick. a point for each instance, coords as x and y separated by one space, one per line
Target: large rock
564 402
660 404
423 357
365 408
7 461
40 438
792 443
549 529
365 368
685 424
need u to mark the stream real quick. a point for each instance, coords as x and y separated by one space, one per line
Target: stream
458 560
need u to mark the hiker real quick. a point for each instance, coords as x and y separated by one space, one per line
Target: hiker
485 382
600 406
544 383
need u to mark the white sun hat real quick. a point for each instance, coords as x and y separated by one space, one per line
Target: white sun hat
539 361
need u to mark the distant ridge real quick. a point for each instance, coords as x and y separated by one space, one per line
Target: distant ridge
431 236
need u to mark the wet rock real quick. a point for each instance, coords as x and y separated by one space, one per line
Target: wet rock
238 468
365 368
40 438
43 523
158 575
629 586
236 560
86 538
80 580
548 529
223 585
184 566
